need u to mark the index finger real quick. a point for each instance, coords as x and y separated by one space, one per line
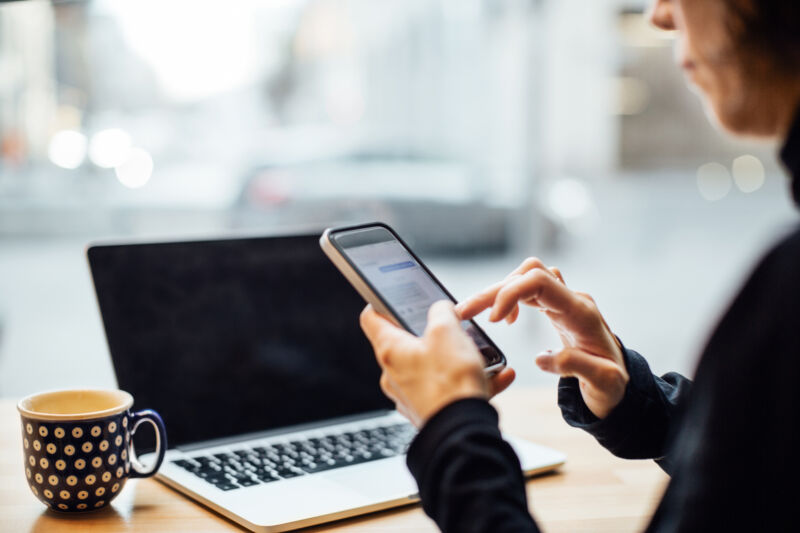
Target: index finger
475 305
478 303
539 288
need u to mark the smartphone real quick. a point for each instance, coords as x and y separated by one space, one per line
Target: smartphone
389 276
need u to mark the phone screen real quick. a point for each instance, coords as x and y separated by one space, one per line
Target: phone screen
402 282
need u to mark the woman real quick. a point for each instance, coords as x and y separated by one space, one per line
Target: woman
729 439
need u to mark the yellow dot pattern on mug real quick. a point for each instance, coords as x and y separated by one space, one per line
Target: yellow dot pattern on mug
70 466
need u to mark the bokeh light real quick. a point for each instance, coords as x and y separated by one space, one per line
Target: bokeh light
713 181
569 199
135 172
110 148
748 173
67 149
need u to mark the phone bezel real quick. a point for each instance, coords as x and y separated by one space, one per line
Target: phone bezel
373 296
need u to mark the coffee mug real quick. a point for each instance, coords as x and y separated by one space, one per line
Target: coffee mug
78 448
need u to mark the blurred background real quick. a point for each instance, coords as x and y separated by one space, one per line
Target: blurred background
485 131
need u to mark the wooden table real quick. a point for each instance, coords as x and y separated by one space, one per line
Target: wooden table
594 492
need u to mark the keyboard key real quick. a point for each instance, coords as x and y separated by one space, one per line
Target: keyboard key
186 465
247 467
290 473
313 468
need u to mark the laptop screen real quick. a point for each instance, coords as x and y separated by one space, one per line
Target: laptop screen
234 336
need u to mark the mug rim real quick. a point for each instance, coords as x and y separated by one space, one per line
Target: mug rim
125 398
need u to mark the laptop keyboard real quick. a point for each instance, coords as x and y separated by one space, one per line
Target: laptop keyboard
248 466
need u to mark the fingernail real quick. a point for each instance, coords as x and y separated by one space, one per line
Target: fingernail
546 352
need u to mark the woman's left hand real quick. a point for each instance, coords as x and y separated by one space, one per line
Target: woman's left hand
424 374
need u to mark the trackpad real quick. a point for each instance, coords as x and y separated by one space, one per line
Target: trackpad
387 479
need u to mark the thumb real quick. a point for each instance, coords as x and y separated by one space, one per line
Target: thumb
574 362
379 330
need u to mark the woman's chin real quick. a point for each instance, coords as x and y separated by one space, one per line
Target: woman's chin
736 117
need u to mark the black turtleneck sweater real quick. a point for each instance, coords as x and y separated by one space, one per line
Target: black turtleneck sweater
728 438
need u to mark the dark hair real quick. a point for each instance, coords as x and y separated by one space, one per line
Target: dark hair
770 28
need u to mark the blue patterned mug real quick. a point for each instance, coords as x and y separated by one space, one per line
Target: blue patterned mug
78 448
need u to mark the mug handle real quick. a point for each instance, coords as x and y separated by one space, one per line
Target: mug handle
150 416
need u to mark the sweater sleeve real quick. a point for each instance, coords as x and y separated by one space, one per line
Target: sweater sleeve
469 478
640 427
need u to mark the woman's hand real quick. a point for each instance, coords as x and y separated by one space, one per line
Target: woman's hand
591 352
424 374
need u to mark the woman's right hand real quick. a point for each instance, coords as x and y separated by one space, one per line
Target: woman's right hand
590 353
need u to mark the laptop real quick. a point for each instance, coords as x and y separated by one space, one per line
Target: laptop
251 351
